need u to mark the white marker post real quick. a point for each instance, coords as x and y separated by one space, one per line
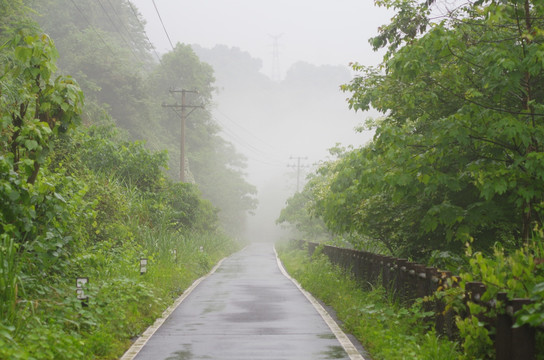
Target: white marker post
143 266
81 282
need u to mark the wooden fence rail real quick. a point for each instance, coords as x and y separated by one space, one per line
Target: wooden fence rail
409 281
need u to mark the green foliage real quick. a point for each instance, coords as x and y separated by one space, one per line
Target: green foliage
297 213
458 152
189 210
109 59
114 65
131 173
14 17
385 328
8 280
82 202
533 314
131 162
38 207
410 20
477 343
214 163
518 274
36 107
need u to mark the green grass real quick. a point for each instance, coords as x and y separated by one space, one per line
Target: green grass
387 330
122 303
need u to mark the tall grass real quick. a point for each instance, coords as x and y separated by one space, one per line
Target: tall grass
122 224
8 281
122 303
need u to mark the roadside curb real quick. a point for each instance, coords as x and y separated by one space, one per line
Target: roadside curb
131 353
346 343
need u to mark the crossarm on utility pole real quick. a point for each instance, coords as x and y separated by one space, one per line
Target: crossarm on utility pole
184 116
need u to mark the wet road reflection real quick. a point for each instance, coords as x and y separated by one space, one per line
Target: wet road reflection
246 310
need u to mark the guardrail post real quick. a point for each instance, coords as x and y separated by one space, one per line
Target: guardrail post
421 281
503 326
401 278
411 288
311 248
523 337
370 268
345 253
394 276
449 317
358 267
379 270
474 291
354 263
367 267
386 272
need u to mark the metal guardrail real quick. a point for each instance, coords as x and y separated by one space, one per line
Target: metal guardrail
409 281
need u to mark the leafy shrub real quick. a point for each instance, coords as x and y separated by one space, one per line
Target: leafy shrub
519 274
188 210
90 205
131 162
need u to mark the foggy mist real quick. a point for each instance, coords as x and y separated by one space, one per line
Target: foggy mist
306 48
274 123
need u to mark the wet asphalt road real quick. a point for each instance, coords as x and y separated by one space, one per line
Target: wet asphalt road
246 310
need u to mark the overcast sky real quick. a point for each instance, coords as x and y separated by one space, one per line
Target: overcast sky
316 31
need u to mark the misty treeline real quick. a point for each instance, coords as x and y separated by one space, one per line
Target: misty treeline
83 195
302 115
103 45
454 175
458 153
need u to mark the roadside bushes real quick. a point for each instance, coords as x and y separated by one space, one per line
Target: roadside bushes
109 224
84 202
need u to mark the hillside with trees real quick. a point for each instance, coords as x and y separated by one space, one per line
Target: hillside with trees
104 45
85 190
457 153
273 121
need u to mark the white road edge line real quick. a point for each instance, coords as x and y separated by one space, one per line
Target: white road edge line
340 335
146 335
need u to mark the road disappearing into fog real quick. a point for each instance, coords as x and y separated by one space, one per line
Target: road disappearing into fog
246 309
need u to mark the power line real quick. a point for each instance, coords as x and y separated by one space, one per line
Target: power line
119 32
265 162
162 23
127 31
246 130
242 142
268 159
93 28
145 33
233 138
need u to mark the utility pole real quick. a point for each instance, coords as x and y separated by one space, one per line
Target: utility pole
298 167
184 116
